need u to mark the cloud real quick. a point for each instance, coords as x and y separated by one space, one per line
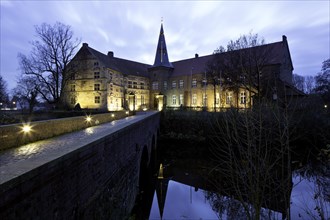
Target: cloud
131 28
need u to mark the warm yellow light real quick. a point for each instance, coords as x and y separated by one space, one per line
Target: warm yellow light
26 128
127 112
325 106
144 109
112 115
88 118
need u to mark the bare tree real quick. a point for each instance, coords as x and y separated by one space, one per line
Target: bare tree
49 59
27 90
213 75
253 153
298 82
323 82
3 91
241 65
309 84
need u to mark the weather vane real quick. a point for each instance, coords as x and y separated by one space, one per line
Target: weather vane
161 20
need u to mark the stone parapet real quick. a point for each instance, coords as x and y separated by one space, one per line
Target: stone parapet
13 135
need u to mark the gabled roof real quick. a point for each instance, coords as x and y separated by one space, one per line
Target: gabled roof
127 67
273 54
191 66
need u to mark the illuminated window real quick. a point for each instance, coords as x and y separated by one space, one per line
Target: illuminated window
155 85
229 98
173 84
96 75
243 97
97 99
194 99
181 84
181 99
73 88
165 85
204 100
194 83
173 99
96 87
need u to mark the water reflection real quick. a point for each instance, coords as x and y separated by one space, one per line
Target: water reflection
182 202
311 193
183 190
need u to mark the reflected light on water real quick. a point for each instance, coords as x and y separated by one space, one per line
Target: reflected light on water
27 150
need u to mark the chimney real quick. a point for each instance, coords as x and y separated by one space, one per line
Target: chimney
283 38
85 44
196 55
110 53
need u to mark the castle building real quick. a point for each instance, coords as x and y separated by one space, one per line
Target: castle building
103 81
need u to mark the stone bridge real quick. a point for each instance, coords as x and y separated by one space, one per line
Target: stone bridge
95 173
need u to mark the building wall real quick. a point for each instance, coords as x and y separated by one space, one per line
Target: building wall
194 93
98 87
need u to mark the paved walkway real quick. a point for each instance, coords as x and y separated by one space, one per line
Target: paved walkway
16 161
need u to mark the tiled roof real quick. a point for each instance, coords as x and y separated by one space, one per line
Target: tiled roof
273 54
127 67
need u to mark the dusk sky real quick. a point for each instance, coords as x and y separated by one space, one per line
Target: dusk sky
130 28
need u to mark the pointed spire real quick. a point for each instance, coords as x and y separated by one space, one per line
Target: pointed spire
161 59
161 190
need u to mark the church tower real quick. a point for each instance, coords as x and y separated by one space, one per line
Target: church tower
161 58
160 73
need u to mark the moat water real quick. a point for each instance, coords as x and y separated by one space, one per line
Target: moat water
179 190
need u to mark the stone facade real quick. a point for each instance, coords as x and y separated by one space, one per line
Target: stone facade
111 83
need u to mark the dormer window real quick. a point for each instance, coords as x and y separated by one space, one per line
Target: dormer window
96 64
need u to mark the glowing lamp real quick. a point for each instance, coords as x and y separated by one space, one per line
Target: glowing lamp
113 115
88 119
26 128
127 112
